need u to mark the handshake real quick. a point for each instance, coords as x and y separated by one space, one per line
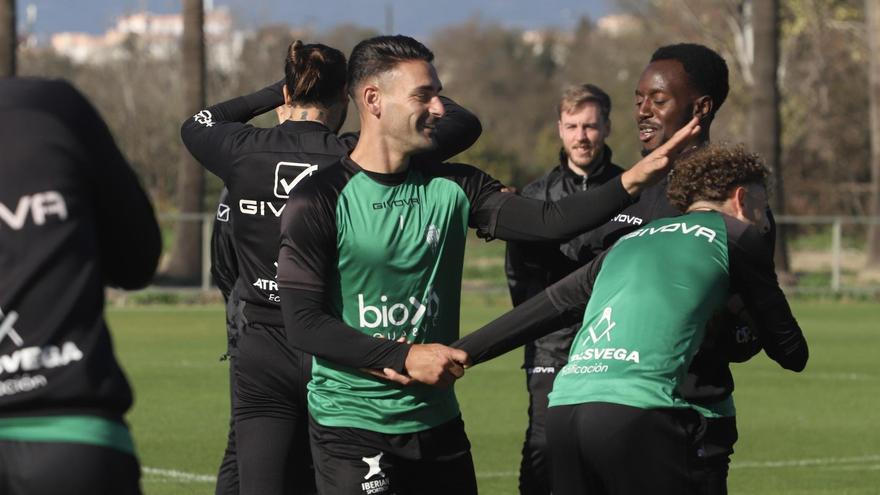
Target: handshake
431 364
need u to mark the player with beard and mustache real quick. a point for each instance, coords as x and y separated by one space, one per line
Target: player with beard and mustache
261 168
584 163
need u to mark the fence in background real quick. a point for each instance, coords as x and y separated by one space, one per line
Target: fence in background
827 254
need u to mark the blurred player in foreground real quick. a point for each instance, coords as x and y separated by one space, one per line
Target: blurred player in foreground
73 219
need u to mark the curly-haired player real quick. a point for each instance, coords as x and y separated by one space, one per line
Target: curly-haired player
617 422
710 174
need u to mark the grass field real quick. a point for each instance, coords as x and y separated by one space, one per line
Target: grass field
814 433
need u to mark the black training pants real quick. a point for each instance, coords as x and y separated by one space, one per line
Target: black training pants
534 469
52 468
352 461
271 415
227 474
610 449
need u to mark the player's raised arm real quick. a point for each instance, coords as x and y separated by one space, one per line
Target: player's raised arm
457 131
515 218
209 134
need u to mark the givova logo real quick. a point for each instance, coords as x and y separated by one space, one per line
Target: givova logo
680 227
288 175
387 314
39 205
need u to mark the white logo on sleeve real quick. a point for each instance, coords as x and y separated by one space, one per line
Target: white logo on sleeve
205 118
288 175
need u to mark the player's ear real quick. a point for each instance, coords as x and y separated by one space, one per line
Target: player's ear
739 199
703 107
372 99
286 94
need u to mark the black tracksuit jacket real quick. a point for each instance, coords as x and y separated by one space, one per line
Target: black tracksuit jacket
531 267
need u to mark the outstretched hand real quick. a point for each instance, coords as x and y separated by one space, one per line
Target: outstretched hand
653 167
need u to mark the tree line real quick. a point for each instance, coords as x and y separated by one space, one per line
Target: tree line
805 93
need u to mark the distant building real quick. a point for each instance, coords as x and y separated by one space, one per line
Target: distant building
618 24
157 35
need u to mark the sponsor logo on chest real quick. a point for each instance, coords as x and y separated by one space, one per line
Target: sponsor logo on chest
396 203
393 320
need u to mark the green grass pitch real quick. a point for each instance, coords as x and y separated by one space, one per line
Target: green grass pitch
813 433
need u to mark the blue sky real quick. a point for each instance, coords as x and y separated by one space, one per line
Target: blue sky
414 17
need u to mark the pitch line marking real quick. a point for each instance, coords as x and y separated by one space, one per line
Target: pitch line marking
843 463
807 462
180 475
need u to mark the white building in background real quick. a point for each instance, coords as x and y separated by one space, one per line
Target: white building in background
156 35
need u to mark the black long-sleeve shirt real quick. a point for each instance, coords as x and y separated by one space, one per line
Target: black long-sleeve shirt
532 267
263 167
73 219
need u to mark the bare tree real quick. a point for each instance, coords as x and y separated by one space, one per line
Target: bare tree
8 38
184 264
872 21
764 116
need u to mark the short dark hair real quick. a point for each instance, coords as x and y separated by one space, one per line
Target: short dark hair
706 69
314 74
380 54
575 96
711 172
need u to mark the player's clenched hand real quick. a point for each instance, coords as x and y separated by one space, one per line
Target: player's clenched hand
435 364
653 167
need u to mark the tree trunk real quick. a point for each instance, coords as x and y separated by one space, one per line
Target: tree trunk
872 21
184 265
764 115
8 38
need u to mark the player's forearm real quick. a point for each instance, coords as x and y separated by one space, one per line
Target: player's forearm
781 335
560 305
310 329
457 131
529 321
244 108
521 219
